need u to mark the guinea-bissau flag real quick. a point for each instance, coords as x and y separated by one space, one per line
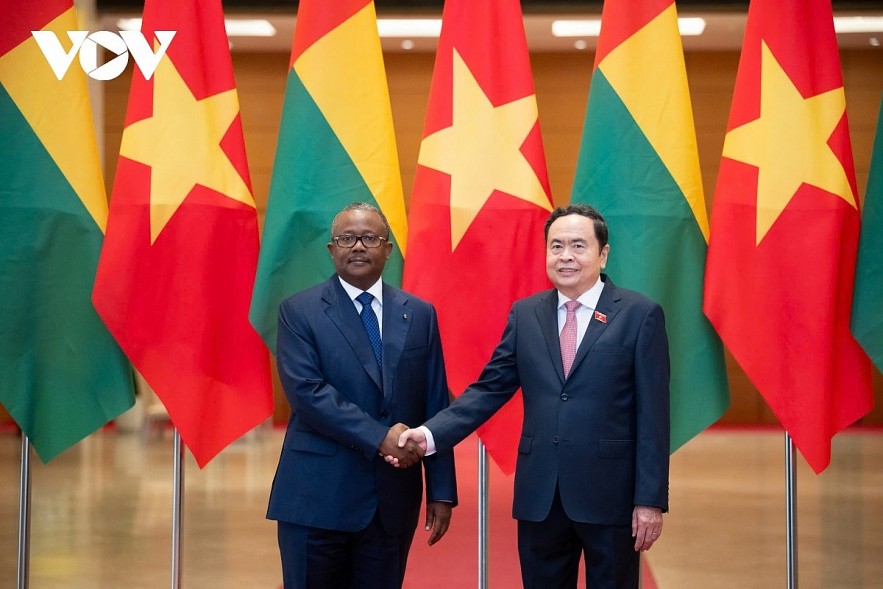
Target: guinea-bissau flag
481 196
639 166
867 302
336 146
785 226
62 376
178 264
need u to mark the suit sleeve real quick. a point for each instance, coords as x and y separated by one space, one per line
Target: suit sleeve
497 384
318 404
653 423
441 479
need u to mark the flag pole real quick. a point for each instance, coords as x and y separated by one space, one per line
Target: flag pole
790 509
177 509
482 515
24 515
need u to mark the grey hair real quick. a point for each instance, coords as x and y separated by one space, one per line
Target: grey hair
362 206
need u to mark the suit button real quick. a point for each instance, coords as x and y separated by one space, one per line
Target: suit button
384 415
555 440
563 396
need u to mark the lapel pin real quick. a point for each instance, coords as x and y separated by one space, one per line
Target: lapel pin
600 316
404 316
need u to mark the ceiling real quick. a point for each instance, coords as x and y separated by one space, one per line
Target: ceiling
528 5
724 22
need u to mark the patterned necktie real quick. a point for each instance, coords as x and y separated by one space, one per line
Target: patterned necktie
568 336
369 319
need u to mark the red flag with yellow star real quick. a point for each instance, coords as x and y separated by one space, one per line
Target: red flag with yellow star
785 225
178 263
480 196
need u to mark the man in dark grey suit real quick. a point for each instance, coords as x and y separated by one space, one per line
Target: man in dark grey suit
355 357
592 362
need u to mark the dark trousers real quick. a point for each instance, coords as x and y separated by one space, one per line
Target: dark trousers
550 552
315 558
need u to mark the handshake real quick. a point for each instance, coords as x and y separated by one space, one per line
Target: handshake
403 447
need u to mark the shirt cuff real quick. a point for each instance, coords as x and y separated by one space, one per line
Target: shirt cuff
430 441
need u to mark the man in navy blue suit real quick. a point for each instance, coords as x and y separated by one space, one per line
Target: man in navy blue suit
357 359
592 362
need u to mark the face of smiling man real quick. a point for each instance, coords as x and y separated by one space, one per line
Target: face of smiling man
574 258
359 265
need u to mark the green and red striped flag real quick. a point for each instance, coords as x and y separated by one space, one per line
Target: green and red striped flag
61 374
867 306
336 146
177 267
481 197
785 226
639 166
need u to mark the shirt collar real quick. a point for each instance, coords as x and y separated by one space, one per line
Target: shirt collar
376 290
589 299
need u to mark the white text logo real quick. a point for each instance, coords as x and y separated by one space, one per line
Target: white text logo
119 44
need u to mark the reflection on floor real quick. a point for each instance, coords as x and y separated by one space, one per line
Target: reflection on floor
101 517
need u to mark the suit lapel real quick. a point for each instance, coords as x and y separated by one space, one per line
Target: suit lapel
547 315
396 323
341 310
608 305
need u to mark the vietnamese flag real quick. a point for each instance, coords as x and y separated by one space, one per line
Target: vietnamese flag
62 376
178 263
785 227
480 196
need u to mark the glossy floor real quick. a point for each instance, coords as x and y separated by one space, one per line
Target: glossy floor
100 517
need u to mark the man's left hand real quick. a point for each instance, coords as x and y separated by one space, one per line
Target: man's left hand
646 526
438 518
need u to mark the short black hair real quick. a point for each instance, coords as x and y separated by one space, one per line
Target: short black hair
585 211
362 206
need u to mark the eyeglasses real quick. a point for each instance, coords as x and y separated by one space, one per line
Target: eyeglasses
369 241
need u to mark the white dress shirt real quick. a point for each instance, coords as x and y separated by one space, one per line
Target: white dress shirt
588 300
376 304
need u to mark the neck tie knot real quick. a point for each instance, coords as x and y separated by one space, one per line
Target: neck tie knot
568 336
372 326
365 298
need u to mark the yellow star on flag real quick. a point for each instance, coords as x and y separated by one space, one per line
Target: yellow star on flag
789 143
481 150
181 143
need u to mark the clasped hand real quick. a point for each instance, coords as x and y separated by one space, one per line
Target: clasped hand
405 456
408 438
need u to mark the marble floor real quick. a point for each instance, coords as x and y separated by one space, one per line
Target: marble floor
100 517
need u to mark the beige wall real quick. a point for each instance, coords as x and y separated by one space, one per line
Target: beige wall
562 81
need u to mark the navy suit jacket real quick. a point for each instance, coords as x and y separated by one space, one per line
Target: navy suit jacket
601 436
330 474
